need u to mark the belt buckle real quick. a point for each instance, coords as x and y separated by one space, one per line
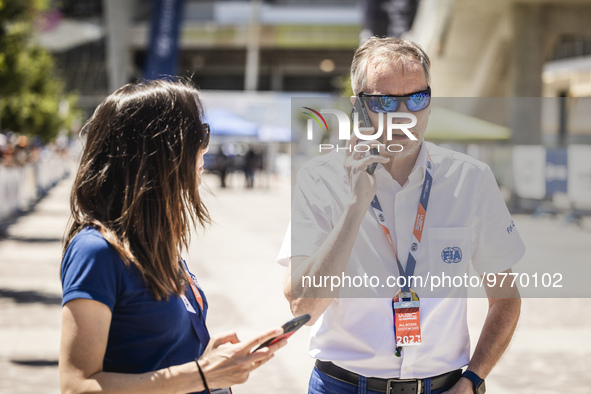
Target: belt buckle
390 389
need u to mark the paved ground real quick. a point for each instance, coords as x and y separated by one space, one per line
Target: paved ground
234 260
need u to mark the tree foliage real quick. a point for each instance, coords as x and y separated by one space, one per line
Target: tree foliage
30 93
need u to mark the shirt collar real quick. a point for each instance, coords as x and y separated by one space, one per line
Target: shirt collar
420 166
418 170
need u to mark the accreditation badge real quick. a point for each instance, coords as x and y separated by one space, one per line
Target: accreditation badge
407 320
221 391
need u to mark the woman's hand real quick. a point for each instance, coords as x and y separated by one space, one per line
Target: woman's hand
227 361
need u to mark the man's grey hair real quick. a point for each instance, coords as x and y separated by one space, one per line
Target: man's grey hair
387 49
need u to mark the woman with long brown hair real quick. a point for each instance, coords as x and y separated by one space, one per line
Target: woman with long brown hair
133 317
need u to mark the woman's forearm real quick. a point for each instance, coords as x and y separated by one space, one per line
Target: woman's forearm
176 379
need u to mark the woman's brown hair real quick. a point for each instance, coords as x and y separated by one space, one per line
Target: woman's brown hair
138 180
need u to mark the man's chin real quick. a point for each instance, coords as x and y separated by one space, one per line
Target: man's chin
408 148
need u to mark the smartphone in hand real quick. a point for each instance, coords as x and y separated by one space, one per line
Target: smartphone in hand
289 329
364 121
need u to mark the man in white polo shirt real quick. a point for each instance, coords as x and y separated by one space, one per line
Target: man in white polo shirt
440 208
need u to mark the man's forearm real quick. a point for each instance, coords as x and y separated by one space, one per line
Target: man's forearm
496 334
330 259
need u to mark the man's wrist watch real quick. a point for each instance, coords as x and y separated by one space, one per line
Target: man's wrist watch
477 381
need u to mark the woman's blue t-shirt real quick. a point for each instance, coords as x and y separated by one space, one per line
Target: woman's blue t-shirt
145 334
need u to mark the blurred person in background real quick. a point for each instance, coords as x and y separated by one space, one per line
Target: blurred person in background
250 167
345 219
133 316
222 166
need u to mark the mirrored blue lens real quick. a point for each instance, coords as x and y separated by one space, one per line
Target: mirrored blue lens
383 104
389 104
419 101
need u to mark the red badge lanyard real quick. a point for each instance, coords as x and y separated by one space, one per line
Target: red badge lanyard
407 323
418 227
198 322
194 288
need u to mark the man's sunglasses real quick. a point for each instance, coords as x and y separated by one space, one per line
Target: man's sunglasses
205 140
385 103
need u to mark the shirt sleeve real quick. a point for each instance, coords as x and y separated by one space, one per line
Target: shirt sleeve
310 217
498 245
91 270
285 251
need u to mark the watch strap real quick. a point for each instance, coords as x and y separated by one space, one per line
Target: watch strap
477 381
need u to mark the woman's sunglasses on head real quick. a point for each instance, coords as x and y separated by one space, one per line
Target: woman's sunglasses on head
205 140
385 103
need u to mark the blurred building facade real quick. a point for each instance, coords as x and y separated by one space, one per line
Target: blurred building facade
521 51
302 45
509 48
501 48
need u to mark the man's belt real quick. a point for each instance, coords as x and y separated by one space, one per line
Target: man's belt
390 386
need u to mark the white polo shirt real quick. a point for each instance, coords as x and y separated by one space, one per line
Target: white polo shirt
466 212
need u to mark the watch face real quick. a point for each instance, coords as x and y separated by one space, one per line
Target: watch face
481 389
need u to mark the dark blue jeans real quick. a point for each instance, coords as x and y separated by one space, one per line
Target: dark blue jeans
321 383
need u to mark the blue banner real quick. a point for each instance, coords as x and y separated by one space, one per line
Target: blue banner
163 46
388 17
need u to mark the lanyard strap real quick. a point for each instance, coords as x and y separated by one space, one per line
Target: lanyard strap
418 227
196 293
197 321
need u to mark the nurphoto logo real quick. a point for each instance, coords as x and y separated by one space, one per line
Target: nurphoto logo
344 128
